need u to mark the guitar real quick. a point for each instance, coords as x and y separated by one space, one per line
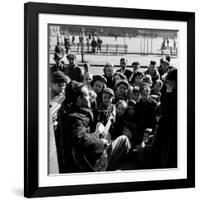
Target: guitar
101 131
101 162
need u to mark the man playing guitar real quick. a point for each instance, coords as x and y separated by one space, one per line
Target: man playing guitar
83 149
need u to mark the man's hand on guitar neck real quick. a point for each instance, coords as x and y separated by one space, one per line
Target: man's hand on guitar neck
100 132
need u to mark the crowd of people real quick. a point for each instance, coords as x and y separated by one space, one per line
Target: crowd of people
120 116
90 43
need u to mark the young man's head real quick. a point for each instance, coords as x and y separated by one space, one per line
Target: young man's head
78 95
136 66
152 66
123 63
131 108
59 82
107 97
98 83
121 107
109 70
71 59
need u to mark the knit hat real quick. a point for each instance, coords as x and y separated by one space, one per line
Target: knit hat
125 82
109 91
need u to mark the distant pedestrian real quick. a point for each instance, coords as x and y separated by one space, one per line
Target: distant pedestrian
99 43
67 43
94 45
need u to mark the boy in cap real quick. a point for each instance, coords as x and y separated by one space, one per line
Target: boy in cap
106 108
73 70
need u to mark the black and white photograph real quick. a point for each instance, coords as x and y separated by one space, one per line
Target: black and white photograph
112 98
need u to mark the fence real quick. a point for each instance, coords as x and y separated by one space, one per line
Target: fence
86 48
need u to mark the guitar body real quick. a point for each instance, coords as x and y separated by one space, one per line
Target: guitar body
101 161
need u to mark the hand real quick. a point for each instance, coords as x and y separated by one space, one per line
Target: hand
99 128
106 143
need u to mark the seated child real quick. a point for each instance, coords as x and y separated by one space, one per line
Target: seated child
106 108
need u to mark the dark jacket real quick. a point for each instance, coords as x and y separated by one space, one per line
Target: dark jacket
165 144
76 135
146 115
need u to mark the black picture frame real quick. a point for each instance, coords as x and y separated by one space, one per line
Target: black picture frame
31 12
